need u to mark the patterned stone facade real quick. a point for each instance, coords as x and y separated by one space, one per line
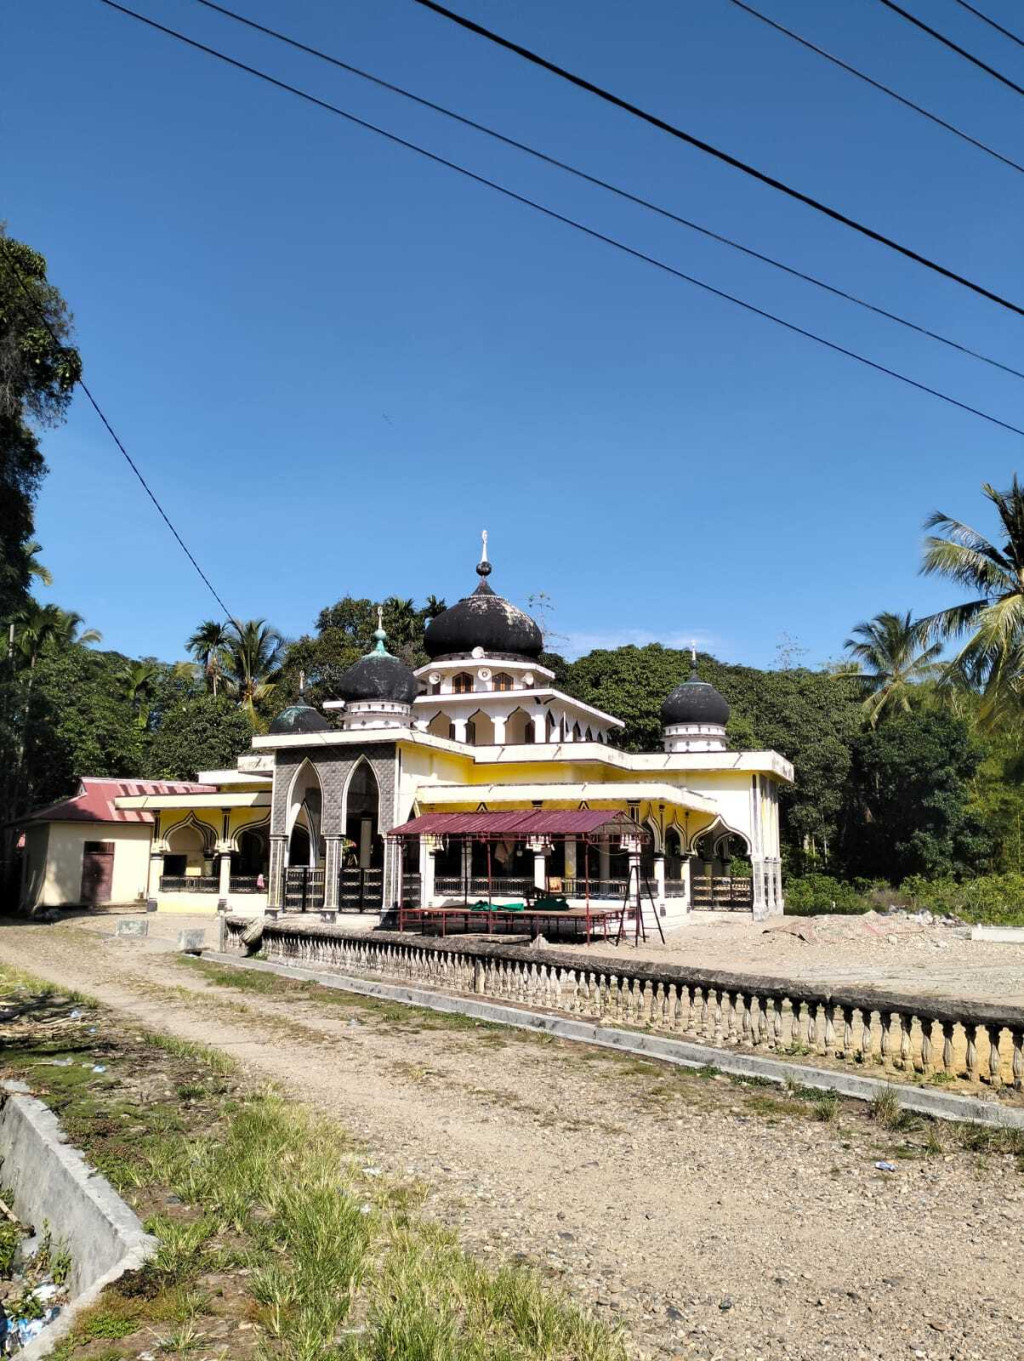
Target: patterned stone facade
334 767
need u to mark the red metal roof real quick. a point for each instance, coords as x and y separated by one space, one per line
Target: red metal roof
519 822
94 801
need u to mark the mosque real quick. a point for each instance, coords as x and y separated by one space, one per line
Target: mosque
306 818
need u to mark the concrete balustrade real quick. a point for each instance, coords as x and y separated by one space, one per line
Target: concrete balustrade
897 1032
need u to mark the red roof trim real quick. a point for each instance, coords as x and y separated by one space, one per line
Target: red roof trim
94 801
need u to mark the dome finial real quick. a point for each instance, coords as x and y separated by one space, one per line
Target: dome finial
379 635
483 567
693 660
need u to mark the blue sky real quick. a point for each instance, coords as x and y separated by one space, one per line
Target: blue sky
337 362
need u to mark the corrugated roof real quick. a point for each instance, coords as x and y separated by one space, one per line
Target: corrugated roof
94 801
519 822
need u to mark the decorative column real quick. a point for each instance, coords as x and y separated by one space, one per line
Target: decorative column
459 729
275 886
499 729
604 861
332 871
224 868
570 864
156 859
659 877
540 725
428 866
467 864
780 903
757 869
540 864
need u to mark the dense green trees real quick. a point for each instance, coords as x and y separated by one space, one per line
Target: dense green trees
38 371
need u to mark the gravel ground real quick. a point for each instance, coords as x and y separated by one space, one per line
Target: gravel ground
716 1222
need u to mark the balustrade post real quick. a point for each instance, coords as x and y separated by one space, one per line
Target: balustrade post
994 1062
971 1032
1017 1037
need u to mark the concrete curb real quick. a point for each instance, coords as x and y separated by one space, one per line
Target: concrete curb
51 1182
941 1105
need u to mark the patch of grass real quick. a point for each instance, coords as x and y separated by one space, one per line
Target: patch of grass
213 1059
886 1110
708 1071
942 1078
826 1107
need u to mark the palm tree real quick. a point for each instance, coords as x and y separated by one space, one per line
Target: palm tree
992 658
208 645
252 655
893 654
139 680
434 606
35 568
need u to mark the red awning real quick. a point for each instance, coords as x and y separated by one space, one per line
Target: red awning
516 823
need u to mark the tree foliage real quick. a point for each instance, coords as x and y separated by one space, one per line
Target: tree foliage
38 371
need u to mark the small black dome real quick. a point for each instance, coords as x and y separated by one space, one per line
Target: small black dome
299 718
694 701
378 675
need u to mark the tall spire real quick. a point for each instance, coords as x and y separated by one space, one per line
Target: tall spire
380 635
483 567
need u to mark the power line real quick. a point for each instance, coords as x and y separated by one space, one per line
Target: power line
875 84
612 188
991 22
114 436
720 155
558 217
946 42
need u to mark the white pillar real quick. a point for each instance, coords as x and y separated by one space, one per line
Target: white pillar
780 903
570 864
156 870
659 876
757 868
540 868
499 729
428 866
540 725
225 874
459 726
604 861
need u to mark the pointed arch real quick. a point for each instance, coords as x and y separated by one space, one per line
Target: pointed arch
204 829
360 812
305 812
480 729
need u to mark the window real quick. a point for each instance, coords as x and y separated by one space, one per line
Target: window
99 847
503 681
462 684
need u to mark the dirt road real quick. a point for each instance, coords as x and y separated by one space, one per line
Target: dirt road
719 1222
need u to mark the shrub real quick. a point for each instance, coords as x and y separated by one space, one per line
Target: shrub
813 895
997 898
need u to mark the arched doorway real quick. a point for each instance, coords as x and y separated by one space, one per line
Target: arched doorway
304 872
362 872
721 879
675 864
250 860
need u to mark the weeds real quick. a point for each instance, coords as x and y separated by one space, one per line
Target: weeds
826 1106
886 1110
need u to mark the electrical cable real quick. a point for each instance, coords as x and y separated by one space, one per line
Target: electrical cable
720 155
875 84
114 436
946 42
612 188
559 217
991 22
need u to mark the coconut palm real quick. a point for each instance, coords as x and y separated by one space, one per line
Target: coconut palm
251 661
992 657
208 645
893 655
40 628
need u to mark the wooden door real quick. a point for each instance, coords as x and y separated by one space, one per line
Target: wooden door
97 872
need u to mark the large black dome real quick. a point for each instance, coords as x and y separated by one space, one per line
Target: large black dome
299 718
378 676
694 701
483 620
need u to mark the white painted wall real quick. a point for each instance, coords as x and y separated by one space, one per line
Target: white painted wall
61 881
